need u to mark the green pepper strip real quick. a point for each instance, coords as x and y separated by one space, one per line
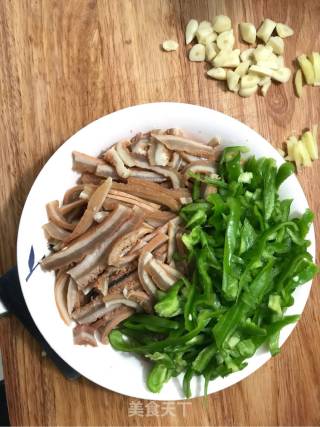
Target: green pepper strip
194 207
255 252
187 312
169 305
229 322
150 322
269 188
186 382
229 284
305 221
208 180
285 170
288 272
204 275
196 190
117 341
203 358
157 377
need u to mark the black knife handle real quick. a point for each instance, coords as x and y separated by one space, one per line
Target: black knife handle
12 297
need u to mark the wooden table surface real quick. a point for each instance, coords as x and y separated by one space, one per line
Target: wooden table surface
64 63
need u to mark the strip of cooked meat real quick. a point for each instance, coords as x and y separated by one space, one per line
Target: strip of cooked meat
160 276
149 194
72 194
96 261
180 143
90 178
120 248
112 157
88 241
105 331
60 293
147 175
94 205
53 231
123 152
84 334
55 215
84 163
145 280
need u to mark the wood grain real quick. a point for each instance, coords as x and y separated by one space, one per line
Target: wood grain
66 63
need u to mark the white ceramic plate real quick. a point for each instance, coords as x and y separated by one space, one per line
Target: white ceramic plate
123 372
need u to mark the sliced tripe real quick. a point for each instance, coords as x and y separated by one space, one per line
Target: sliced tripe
112 157
60 293
87 242
148 193
94 205
120 248
95 261
85 163
177 143
122 148
54 214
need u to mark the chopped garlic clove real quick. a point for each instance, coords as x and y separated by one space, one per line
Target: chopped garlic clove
233 80
272 62
249 80
202 36
277 44
284 30
301 151
298 83
262 53
170 45
211 51
281 61
247 54
226 40
203 31
315 61
212 37
292 141
205 25
282 75
227 58
310 144
315 132
197 53
217 73
243 68
264 80
191 30
248 32
296 155
265 87
246 92
266 29
307 69
221 23
262 71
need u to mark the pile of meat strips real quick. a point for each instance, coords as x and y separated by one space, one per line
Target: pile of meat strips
113 237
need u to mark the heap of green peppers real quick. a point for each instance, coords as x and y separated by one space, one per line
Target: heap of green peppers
246 256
